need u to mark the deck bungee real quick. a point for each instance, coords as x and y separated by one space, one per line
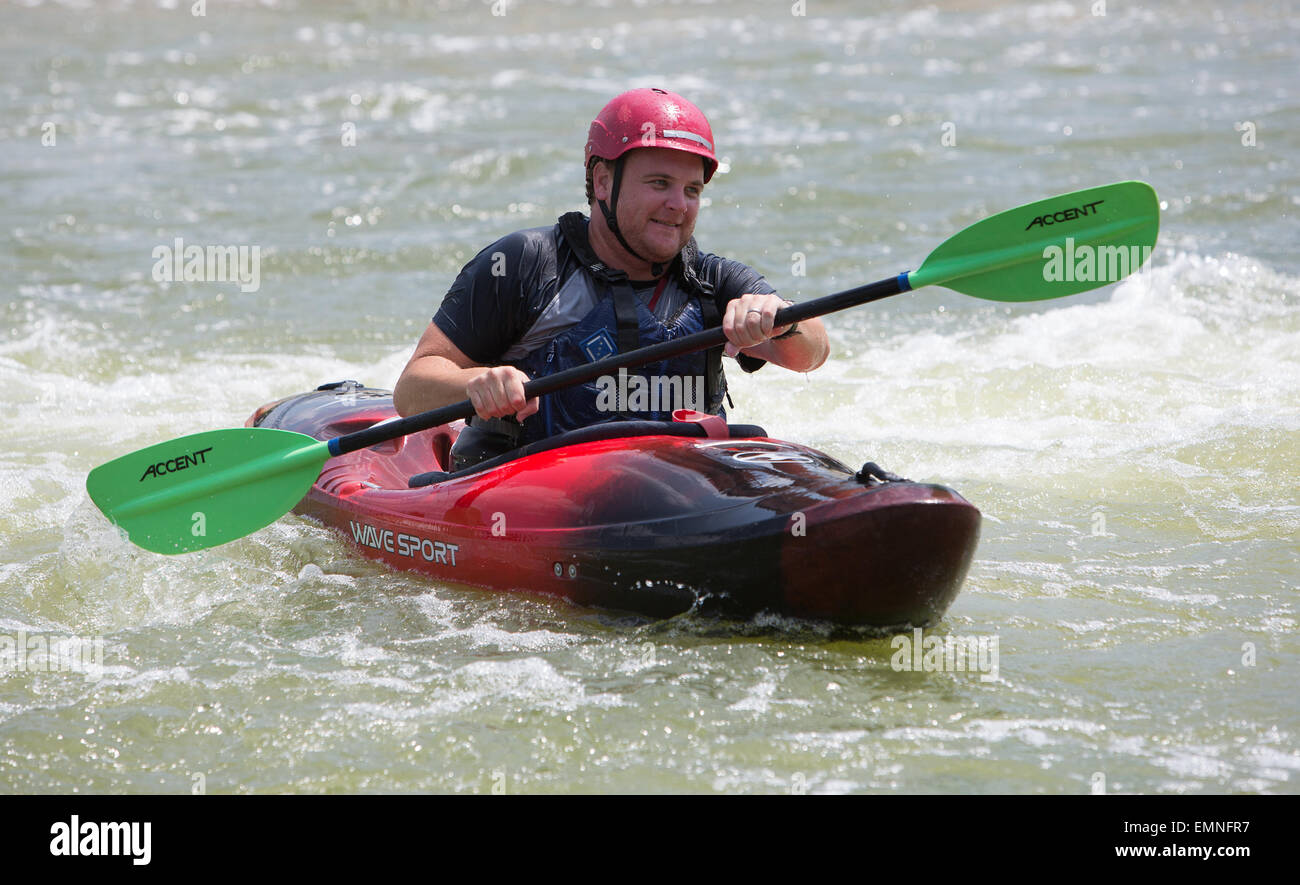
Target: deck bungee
626 516
652 522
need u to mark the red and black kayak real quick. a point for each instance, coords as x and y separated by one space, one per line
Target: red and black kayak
657 518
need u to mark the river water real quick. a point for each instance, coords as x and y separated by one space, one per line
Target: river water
1133 449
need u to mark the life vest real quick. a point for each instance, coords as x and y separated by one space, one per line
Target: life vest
618 322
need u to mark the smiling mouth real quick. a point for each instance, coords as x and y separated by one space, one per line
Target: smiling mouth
665 223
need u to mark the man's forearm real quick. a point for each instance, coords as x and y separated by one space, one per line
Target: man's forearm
803 351
431 382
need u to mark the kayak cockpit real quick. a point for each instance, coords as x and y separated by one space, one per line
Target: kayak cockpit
595 433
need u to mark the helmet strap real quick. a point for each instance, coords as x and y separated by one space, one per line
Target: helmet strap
611 219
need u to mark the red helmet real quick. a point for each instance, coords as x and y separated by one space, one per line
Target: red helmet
650 118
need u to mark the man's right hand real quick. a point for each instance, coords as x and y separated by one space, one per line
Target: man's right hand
439 374
499 391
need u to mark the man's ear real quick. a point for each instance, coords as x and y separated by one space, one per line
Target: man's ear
602 179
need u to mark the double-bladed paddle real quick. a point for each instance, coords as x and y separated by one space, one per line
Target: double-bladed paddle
205 489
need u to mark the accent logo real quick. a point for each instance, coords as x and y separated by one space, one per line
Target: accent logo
1065 215
181 462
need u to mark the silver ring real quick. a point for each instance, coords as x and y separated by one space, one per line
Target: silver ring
752 310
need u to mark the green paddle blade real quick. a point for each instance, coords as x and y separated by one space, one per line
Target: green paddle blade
194 492
1054 247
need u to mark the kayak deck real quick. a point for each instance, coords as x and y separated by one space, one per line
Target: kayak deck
658 525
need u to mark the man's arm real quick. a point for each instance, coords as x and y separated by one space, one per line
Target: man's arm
749 305
749 325
439 374
480 315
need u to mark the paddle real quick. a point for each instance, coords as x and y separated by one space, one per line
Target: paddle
206 489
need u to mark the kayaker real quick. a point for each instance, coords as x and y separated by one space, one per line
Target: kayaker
542 300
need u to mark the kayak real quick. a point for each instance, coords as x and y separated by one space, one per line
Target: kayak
654 518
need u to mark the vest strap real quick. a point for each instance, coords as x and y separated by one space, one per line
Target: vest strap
713 356
629 326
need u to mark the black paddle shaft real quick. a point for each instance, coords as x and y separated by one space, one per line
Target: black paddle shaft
581 374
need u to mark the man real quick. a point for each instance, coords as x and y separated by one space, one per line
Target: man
542 300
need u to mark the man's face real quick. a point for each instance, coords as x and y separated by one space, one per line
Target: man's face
657 201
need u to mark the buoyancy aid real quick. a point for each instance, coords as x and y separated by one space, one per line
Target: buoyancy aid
617 322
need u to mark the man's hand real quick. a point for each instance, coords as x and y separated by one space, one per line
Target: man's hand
499 391
750 320
750 325
439 374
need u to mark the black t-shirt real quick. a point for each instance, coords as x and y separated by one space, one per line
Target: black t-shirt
502 291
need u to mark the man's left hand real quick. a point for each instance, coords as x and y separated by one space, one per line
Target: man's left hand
751 319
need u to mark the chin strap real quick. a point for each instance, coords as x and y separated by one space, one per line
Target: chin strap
611 220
